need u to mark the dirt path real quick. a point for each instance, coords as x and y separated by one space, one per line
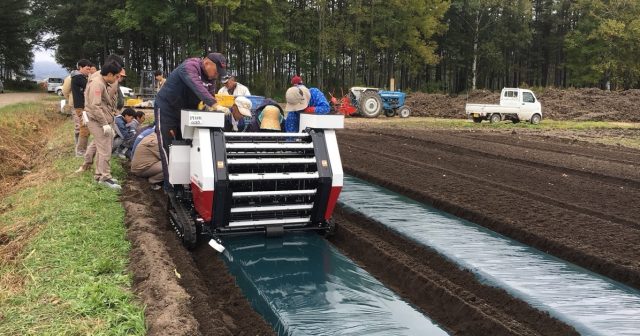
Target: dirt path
571 200
19 97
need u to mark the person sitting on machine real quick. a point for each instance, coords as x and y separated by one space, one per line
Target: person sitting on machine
302 99
232 87
271 118
240 119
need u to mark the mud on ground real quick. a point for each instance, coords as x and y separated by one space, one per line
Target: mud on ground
570 104
185 293
204 300
574 200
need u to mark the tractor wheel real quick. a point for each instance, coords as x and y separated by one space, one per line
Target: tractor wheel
390 113
495 118
535 119
370 104
404 112
183 223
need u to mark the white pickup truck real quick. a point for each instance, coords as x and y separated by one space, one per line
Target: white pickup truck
515 105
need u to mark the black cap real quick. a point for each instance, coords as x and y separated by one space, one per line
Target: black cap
221 63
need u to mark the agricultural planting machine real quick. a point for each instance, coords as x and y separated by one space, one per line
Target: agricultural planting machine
229 183
370 102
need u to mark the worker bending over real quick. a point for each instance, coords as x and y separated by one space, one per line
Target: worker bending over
186 86
300 99
146 160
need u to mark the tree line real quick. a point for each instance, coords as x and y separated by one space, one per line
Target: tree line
427 45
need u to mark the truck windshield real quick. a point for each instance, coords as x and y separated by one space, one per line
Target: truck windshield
527 97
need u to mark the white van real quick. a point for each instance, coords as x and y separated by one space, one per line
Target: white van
52 83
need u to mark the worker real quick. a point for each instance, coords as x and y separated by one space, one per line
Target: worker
78 84
186 86
93 70
296 80
100 107
232 87
300 99
159 79
144 131
146 160
271 118
240 119
124 134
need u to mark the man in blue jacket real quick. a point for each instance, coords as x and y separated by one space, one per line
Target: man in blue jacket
186 86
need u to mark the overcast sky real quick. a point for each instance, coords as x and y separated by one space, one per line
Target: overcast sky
43 56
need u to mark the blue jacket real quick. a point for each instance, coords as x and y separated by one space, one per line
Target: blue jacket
121 124
185 87
318 101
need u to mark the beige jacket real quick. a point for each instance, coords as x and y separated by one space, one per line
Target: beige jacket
98 102
146 155
66 91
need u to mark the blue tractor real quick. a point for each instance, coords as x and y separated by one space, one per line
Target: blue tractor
370 102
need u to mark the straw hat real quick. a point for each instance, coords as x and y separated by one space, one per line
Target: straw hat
270 118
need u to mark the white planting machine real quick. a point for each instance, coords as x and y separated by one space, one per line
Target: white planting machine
239 183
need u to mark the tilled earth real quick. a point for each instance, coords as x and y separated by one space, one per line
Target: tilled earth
557 104
577 201
574 200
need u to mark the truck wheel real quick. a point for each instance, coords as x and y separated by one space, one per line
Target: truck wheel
515 120
404 112
390 113
535 119
495 118
477 120
370 104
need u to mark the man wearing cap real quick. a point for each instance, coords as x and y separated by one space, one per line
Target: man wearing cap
301 99
296 80
240 119
191 82
232 87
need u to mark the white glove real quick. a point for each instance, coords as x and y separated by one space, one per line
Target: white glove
108 131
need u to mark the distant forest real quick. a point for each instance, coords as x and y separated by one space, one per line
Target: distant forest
426 45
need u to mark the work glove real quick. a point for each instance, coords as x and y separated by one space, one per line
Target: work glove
108 131
219 108
310 109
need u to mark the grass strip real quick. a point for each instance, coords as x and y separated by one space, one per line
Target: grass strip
69 277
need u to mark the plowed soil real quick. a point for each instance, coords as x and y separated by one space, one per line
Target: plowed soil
185 293
577 201
560 197
570 104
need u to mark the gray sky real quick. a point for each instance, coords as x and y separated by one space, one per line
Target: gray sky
43 55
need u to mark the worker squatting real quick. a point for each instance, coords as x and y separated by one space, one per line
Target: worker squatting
98 102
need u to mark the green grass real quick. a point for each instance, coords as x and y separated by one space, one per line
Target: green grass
70 278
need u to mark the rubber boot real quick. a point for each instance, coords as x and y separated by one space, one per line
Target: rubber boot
81 147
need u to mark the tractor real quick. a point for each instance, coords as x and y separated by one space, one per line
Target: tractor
370 102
